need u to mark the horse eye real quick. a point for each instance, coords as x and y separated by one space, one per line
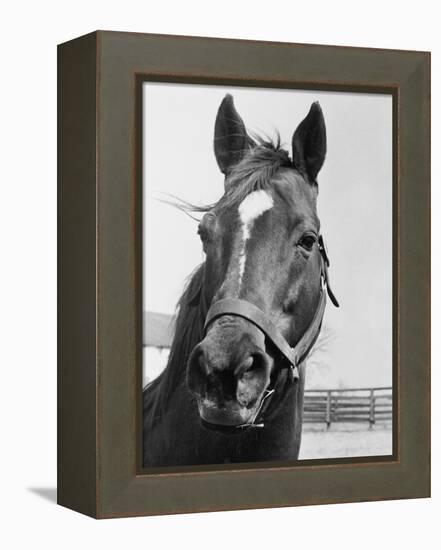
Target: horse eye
307 242
204 235
202 232
206 227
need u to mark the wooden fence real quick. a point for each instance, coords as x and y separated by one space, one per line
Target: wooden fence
372 405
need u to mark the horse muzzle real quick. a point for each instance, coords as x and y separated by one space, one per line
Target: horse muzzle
229 373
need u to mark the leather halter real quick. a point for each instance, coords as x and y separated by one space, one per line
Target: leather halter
294 355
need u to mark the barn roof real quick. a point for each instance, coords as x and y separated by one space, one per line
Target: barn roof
158 329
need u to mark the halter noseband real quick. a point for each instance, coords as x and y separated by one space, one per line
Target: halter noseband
294 355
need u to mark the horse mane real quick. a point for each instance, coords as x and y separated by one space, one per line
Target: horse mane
254 172
190 316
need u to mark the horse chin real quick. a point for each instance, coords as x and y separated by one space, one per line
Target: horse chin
226 419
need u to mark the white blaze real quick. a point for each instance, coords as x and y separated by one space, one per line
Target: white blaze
253 206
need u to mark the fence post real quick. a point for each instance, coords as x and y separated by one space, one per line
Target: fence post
372 409
328 410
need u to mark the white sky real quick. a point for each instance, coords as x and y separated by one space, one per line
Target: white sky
354 205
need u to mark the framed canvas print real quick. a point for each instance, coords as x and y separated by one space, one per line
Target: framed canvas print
244 274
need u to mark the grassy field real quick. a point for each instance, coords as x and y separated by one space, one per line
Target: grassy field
345 440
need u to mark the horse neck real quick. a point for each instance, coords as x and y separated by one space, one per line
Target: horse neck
188 333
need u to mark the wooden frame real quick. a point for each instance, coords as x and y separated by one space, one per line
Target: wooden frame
100 216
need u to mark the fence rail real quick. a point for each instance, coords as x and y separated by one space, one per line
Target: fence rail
372 405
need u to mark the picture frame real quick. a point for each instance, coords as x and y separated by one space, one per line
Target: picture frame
100 273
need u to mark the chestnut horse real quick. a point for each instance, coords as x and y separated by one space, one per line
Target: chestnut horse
233 387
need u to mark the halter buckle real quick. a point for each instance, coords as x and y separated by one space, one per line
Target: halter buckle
294 371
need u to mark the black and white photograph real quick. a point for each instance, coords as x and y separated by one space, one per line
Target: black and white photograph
267 274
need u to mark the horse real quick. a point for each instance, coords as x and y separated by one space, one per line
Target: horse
233 387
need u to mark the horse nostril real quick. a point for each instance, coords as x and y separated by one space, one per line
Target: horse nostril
248 364
251 363
197 371
252 378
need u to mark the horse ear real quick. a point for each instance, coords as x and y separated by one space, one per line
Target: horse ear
231 140
309 143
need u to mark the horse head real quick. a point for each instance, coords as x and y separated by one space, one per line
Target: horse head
264 268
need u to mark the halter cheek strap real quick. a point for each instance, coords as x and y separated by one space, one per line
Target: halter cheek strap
294 355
